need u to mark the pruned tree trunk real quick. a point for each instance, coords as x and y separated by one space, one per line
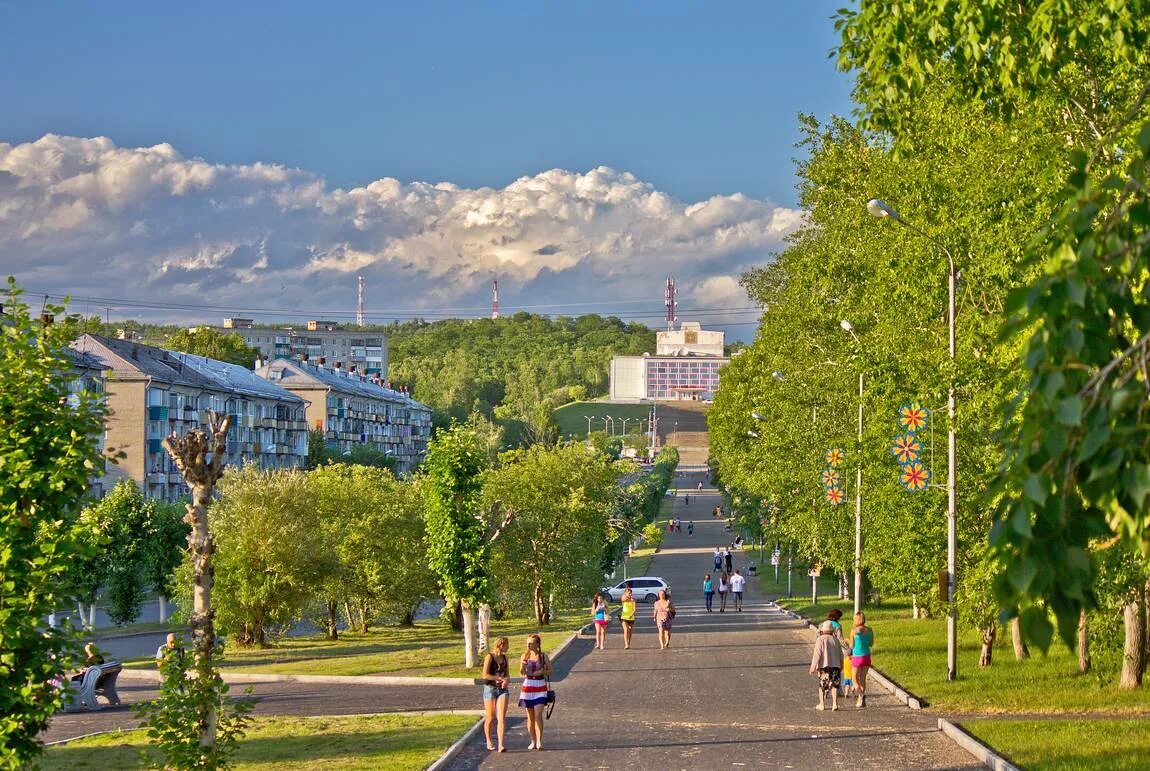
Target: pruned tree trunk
988 634
914 606
1020 650
1134 647
484 625
467 616
1083 643
331 620
163 608
190 453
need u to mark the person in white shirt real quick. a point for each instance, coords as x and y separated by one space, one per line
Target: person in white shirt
738 583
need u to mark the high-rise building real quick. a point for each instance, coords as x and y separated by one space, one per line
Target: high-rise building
367 351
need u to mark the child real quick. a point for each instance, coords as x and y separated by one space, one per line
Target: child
827 661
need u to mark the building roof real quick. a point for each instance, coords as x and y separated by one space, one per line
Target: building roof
129 357
303 374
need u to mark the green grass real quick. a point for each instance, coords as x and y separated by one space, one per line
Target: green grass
1055 745
303 743
572 418
800 582
428 649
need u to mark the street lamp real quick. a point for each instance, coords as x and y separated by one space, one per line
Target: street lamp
608 419
847 326
589 419
877 208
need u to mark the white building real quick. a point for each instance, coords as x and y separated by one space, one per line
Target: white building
685 366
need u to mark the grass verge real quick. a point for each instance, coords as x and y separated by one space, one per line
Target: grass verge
427 649
302 743
1061 745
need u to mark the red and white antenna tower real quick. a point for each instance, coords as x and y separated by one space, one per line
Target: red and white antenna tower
669 302
495 297
359 305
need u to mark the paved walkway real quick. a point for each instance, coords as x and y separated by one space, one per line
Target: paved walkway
733 690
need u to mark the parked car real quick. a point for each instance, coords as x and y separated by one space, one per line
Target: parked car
645 588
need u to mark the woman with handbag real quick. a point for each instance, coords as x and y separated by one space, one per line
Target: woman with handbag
536 670
664 615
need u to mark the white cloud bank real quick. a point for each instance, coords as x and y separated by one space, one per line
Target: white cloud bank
88 218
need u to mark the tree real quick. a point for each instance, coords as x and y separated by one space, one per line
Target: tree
459 529
213 344
124 518
164 549
48 451
561 499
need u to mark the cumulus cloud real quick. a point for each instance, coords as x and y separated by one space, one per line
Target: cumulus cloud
85 217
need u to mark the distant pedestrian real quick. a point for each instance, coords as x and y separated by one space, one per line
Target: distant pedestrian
827 662
690 528
728 559
536 670
627 616
718 560
738 583
496 678
724 587
708 591
599 614
700 486
861 642
664 614
834 615
687 500
678 525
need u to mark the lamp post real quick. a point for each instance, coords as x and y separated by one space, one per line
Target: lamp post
608 419
877 208
847 326
589 419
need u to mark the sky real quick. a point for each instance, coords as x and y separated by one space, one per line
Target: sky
209 159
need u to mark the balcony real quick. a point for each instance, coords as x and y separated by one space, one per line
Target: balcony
157 412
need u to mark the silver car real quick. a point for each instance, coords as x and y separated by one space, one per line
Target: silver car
645 588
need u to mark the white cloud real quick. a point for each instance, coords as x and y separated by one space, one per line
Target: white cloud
85 217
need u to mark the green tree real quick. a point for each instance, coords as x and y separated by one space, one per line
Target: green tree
124 518
164 549
561 498
213 344
48 451
459 530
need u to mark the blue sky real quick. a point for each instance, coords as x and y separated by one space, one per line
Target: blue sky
695 100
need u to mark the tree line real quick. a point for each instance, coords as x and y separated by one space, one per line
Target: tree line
1026 162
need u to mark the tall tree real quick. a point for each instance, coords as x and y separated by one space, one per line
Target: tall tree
48 450
214 344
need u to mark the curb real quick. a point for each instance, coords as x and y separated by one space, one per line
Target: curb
976 748
453 751
240 677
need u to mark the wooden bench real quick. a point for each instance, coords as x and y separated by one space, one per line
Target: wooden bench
98 680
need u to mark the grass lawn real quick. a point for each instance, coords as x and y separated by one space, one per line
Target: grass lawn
1073 721
429 649
1055 745
572 418
302 743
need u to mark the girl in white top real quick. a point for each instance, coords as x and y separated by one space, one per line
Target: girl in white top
724 587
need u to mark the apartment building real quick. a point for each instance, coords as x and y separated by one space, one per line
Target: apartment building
356 409
366 351
152 392
87 376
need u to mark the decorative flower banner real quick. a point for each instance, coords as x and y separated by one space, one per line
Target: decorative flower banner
907 449
913 417
914 477
834 495
831 477
835 457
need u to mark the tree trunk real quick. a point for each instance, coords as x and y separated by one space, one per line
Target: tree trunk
467 616
914 606
540 605
92 615
1083 643
484 626
163 608
988 634
1134 648
347 612
331 607
1020 650
453 618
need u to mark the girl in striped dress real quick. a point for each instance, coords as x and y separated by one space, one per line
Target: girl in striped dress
535 668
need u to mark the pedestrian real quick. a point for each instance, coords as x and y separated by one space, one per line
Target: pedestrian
599 614
678 525
496 679
536 670
664 614
687 500
827 662
690 528
724 587
627 616
700 486
708 591
170 648
670 525
738 583
728 559
834 615
861 642
718 560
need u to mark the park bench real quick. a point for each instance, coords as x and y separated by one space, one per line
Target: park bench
98 680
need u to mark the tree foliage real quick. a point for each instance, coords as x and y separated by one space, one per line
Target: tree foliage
214 344
48 451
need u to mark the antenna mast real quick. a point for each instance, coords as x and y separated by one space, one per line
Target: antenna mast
359 306
495 297
669 302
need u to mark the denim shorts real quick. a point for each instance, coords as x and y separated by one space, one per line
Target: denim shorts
493 692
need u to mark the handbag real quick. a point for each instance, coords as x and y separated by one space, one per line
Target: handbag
550 699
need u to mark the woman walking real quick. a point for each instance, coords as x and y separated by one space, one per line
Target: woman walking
627 616
724 587
536 669
496 678
599 612
861 642
708 591
664 615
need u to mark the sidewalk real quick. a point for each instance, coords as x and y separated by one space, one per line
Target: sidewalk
733 690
